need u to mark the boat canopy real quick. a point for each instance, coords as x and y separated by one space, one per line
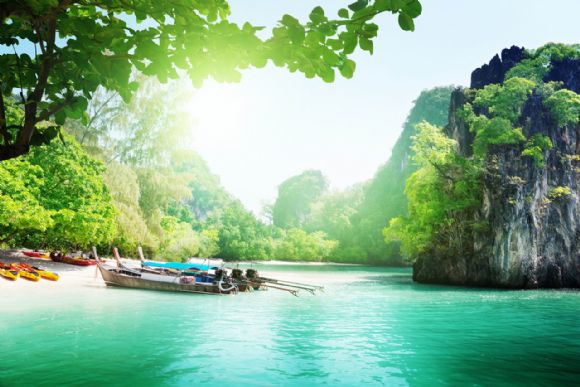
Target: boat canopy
178 265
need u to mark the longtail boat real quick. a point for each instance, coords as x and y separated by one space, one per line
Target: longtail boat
167 276
204 270
248 281
136 278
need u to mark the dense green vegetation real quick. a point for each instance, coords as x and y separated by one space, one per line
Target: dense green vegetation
356 216
127 186
144 188
445 192
295 198
91 134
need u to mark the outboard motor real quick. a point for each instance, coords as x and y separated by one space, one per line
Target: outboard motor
237 274
251 273
219 275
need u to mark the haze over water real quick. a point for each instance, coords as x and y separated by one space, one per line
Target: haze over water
372 326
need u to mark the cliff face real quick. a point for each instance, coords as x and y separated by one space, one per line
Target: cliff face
495 70
532 238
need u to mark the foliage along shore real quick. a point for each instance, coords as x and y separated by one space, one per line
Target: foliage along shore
119 177
490 199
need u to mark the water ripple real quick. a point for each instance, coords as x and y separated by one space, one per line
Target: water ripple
372 327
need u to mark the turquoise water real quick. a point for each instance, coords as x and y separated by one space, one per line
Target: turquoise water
372 326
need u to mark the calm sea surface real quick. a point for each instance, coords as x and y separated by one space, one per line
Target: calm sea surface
372 326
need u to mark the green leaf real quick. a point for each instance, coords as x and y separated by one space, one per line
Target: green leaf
350 40
347 68
44 136
296 34
366 44
85 119
335 44
317 15
289 21
60 117
330 57
357 6
383 5
413 8
406 22
327 74
343 13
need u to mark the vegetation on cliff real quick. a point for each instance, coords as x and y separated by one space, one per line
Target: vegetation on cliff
446 193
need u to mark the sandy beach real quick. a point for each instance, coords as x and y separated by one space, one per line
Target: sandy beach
71 277
75 278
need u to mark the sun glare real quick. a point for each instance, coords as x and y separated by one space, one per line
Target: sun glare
217 113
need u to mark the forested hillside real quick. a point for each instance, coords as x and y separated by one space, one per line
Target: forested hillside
122 177
355 217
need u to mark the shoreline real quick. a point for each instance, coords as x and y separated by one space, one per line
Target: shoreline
11 254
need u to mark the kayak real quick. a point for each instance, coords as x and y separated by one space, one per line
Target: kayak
78 261
11 275
48 275
29 274
36 254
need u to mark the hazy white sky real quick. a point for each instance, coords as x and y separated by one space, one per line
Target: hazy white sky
275 124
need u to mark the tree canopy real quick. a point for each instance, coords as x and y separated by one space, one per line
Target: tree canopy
295 197
56 53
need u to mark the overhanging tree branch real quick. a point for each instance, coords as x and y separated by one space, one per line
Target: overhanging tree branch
46 114
3 123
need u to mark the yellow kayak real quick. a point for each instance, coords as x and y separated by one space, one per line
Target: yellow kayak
48 275
11 275
28 273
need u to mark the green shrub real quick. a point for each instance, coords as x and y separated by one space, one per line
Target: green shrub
559 192
565 107
535 148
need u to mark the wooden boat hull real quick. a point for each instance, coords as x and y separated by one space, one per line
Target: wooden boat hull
114 277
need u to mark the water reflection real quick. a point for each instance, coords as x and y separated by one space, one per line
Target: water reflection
373 326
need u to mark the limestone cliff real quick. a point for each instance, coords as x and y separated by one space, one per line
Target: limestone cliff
532 213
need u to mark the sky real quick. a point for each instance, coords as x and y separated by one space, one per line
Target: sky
275 124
